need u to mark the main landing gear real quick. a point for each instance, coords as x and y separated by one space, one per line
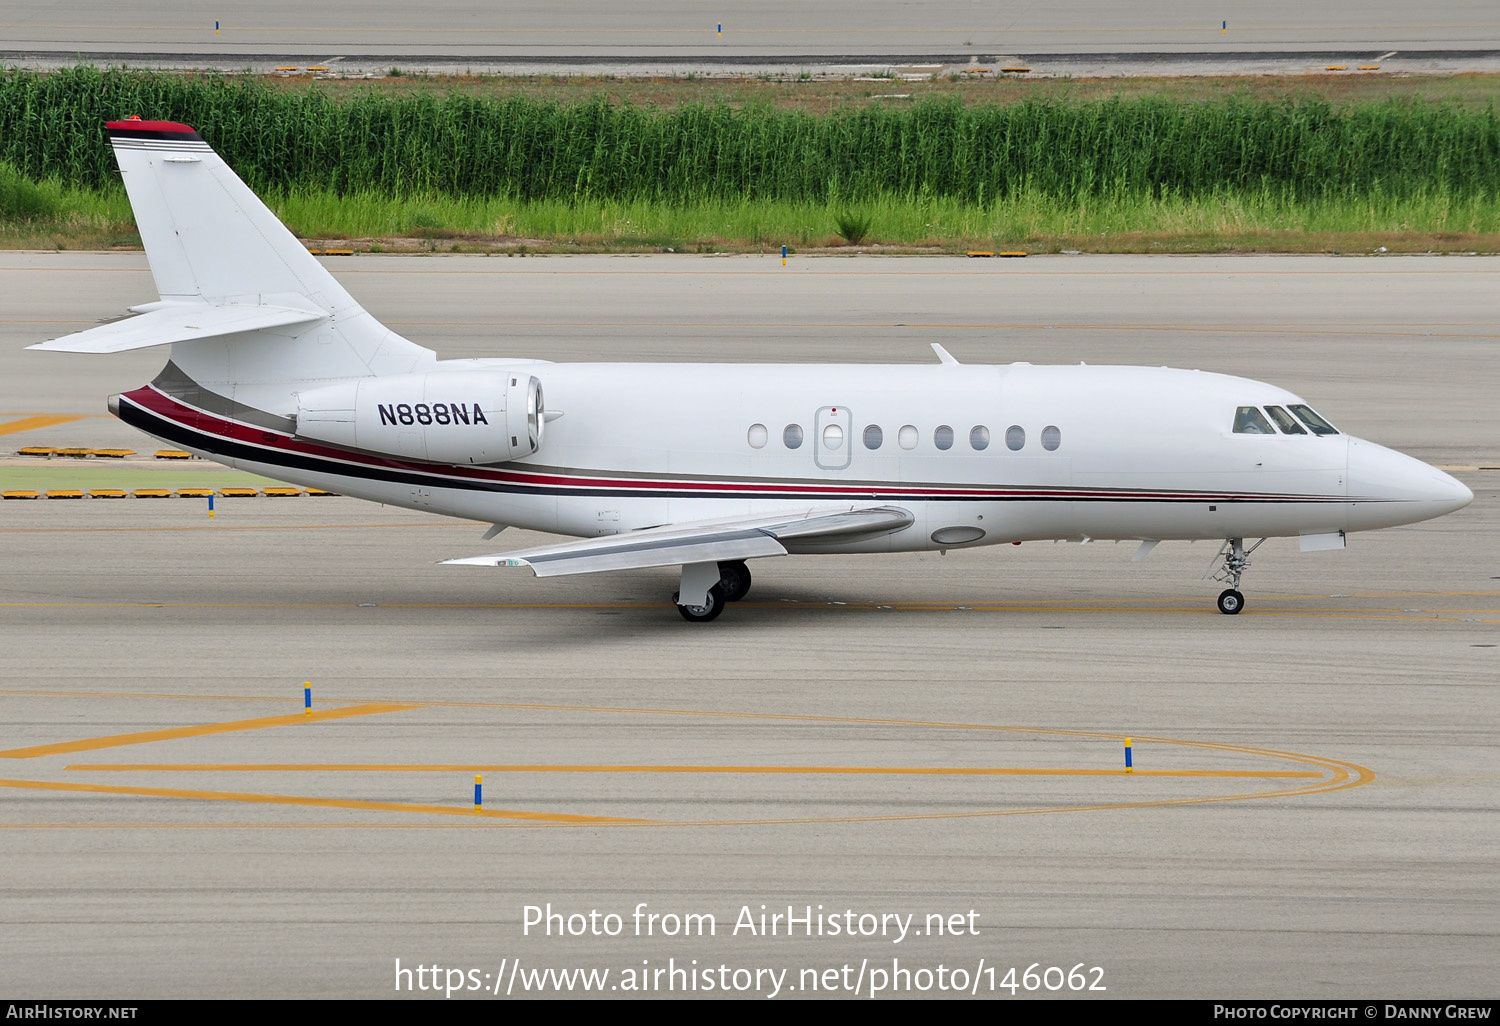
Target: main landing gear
734 578
733 585
1236 561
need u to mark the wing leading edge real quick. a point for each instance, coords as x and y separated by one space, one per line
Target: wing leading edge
706 541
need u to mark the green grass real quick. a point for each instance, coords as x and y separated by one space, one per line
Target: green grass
413 143
821 94
71 217
1137 172
1126 222
27 205
1266 220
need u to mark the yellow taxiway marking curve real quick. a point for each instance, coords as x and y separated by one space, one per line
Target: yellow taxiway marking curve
200 730
36 423
324 803
954 771
1330 775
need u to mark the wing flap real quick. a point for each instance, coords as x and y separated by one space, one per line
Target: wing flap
176 322
700 542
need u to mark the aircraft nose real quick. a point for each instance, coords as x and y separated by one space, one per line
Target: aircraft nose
1388 488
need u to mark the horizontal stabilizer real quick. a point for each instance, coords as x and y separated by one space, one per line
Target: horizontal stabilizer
177 322
701 542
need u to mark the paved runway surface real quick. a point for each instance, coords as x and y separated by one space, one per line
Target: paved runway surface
681 34
1313 811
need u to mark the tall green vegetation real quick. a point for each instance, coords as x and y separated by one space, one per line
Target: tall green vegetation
463 147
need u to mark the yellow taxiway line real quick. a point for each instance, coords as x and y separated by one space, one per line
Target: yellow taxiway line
1328 774
200 730
36 423
953 771
323 803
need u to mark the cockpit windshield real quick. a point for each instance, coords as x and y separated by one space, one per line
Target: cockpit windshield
1251 420
1285 421
1316 424
1248 420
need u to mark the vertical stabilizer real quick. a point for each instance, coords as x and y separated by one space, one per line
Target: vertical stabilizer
207 236
209 239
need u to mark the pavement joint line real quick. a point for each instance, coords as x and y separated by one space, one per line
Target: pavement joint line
933 325
1412 331
965 605
1425 616
791 770
201 730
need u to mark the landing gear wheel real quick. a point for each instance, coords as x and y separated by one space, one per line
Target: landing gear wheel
1230 602
713 605
734 578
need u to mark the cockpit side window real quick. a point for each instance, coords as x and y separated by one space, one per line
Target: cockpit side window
1284 420
1248 420
1316 424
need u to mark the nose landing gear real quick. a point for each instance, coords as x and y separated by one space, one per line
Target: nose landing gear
1236 561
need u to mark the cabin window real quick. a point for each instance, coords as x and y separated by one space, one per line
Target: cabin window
757 436
874 436
907 436
1248 420
1316 424
979 438
833 437
1284 420
943 437
792 436
1051 438
1015 438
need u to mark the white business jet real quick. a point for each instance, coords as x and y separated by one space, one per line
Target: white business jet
275 369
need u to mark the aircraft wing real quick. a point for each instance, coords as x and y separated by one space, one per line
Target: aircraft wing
705 541
176 322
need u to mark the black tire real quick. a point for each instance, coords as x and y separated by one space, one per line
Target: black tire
734 578
710 610
1230 602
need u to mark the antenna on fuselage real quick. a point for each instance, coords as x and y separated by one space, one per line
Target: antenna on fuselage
943 355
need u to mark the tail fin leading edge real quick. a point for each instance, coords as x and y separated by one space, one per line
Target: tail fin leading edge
228 270
208 237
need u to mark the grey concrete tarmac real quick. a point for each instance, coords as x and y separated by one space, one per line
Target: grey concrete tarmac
244 864
776 30
1399 350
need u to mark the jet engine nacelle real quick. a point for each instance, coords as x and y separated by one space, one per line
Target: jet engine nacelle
468 417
